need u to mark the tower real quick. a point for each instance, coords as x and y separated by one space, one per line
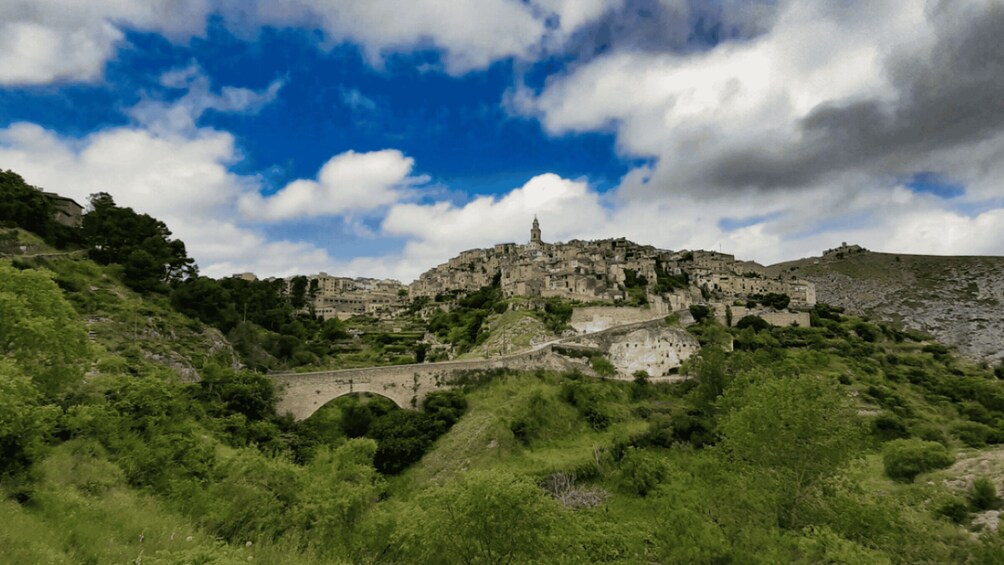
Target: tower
535 231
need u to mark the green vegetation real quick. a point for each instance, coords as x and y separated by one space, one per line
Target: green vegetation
847 442
142 245
904 459
461 325
769 300
26 207
701 312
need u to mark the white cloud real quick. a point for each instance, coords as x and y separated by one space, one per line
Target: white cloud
573 14
688 108
43 41
471 34
727 131
357 101
183 181
348 183
180 116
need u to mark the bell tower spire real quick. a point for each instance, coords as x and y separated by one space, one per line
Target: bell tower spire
535 231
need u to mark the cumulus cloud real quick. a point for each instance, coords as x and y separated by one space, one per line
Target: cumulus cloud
469 34
348 183
881 87
44 41
184 182
437 231
806 125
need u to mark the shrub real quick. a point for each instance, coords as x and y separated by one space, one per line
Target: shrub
974 434
983 494
523 430
866 331
596 417
954 508
700 312
888 427
640 472
603 366
904 459
756 322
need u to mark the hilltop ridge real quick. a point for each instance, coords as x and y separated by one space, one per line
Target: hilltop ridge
958 300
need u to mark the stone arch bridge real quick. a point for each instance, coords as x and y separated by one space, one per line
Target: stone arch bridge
648 345
302 394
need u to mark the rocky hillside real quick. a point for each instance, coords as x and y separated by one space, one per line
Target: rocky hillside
958 300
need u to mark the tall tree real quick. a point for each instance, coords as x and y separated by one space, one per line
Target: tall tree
140 242
24 206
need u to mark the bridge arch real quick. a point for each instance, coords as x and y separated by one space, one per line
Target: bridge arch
302 394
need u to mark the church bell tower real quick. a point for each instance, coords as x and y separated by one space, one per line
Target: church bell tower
535 231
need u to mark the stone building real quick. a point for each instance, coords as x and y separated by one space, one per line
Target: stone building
343 297
68 212
601 270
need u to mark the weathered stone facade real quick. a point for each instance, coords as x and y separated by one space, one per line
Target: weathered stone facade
651 347
603 270
342 297
599 318
302 394
67 211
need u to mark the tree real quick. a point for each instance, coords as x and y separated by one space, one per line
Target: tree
39 330
25 423
298 292
24 206
756 322
206 299
700 312
139 242
793 434
343 487
712 378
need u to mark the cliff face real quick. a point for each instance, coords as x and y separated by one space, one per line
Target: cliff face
958 300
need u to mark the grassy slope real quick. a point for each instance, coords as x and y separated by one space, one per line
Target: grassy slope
83 512
957 299
134 334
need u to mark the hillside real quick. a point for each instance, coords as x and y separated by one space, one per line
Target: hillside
848 442
129 432
958 300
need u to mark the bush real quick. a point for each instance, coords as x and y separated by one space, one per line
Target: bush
974 434
983 494
889 427
700 312
603 366
904 459
640 472
954 508
756 322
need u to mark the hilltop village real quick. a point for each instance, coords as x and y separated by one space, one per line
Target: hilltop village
611 272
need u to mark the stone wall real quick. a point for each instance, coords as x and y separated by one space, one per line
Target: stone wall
782 318
656 351
598 318
650 346
302 394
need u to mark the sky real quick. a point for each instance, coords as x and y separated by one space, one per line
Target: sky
381 138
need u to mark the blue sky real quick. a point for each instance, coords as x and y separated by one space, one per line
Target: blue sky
382 138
